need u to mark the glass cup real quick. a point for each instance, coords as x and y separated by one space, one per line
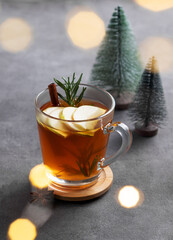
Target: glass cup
74 151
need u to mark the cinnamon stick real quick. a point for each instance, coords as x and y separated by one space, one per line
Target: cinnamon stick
53 94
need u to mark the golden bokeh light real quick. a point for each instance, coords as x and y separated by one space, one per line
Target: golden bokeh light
15 35
85 28
129 197
161 48
38 176
22 229
155 5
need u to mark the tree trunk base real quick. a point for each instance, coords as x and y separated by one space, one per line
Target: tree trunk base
121 106
123 100
149 131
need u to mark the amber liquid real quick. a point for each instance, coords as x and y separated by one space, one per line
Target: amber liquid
72 157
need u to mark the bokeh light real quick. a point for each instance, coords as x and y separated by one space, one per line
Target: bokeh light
130 197
15 35
22 229
155 5
161 48
38 176
85 28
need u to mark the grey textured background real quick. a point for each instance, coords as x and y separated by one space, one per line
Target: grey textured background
148 165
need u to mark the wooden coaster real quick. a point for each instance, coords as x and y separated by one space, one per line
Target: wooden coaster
99 188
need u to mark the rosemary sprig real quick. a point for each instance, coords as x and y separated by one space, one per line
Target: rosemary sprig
86 171
71 88
96 159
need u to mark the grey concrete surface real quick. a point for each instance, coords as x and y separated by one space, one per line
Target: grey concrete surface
149 164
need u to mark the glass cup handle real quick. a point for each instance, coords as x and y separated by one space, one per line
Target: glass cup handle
126 136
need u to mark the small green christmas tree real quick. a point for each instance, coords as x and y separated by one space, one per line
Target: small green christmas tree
148 110
117 68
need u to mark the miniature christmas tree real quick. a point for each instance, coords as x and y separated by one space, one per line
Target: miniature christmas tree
148 110
117 68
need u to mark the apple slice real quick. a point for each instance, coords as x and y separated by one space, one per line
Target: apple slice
56 125
90 133
87 112
49 110
54 112
67 114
